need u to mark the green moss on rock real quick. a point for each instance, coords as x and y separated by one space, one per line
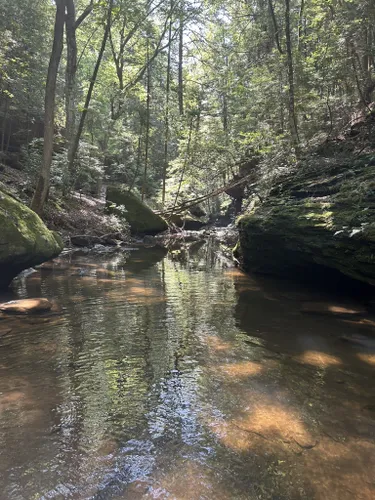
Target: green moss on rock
24 239
297 230
140 217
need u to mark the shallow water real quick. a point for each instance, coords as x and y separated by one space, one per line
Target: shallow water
179 377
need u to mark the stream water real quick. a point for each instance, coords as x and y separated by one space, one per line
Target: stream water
179 377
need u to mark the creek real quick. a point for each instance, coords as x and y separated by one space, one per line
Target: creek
177 376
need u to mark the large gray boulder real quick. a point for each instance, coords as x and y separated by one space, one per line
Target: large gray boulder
141 218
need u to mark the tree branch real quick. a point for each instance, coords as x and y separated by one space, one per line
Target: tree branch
84 14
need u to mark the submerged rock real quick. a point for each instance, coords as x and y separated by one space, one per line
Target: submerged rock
318 219
24 239
26 306
140 217
328 309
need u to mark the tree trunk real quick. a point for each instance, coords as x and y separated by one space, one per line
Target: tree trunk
292 114
147 139
139 156
77 137
275 26
4 124
70 77
300 25
181 62
166 119
225 111
186 159
42 187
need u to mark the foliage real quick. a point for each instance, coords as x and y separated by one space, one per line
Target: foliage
230 66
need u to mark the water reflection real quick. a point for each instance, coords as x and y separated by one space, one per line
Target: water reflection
179 377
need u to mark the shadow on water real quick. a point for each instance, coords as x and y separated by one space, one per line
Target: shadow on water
180 377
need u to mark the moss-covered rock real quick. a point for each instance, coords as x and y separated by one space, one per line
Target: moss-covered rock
314 220
140 217
24 239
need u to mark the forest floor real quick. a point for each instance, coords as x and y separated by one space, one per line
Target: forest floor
78 214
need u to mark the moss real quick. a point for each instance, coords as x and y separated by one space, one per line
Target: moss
140 217
288 234
24 239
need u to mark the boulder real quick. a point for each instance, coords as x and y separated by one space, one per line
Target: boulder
26 306
318 219
24 239
141 218
187 221
191 223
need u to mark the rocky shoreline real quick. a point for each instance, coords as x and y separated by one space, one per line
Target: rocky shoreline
315 220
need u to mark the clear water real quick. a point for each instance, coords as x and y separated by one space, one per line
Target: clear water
179 377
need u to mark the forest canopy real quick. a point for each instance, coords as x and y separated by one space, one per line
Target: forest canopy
173 97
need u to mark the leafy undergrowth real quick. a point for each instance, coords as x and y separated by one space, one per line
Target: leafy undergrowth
323 161
83 214
78 214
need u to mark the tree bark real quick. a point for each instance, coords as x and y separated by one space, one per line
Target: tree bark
186 160
292 113
70 77
275 26
166 119
181 62
300 25
139 155
148 105
42 187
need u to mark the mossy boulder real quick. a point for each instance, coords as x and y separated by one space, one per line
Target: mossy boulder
24 239
141 218
315 220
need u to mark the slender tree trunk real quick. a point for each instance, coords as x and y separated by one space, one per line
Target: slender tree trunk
187 156
166 120
367 65
292 113
275 26
300 25
77 136
4 125
281 101
42 187
70 77
225 103
181 62
9 136
139 156
148 104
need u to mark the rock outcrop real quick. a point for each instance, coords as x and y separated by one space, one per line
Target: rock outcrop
141 218
320 217
24 239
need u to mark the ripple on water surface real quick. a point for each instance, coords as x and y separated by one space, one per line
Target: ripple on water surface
177 377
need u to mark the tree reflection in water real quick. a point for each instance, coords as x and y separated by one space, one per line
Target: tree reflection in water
178 377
